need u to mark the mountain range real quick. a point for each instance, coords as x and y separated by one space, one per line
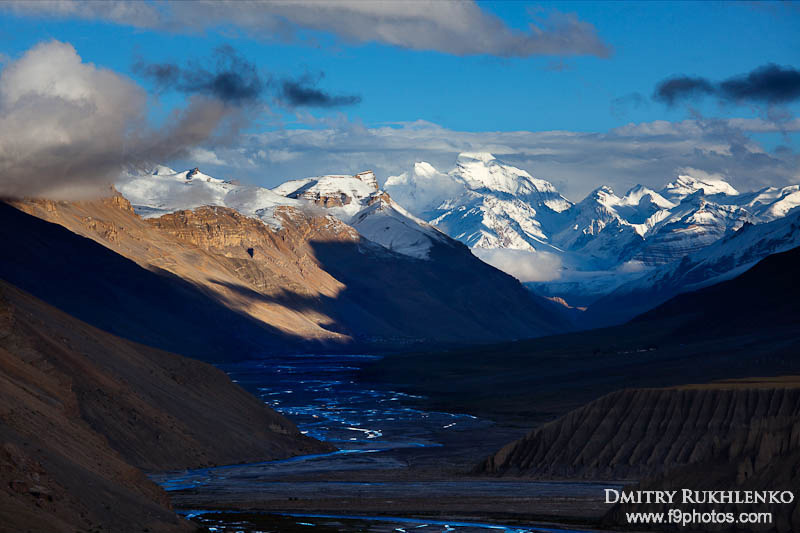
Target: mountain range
646 245
330 264
605 259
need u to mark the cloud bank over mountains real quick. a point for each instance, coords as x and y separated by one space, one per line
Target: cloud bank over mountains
458 27
576 162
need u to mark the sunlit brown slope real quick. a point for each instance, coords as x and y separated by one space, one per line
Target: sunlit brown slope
81 409
215 260
314 280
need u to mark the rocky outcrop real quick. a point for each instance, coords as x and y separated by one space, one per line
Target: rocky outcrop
638 433
82 411
209 249
324 192
267 259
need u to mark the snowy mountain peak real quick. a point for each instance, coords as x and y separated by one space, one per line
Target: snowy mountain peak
636 193
162 190
686 185
356 200
425 170
482 202
482 171
644 196
334 190
604 196
604 191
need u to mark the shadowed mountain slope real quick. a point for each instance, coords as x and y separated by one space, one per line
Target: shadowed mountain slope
763 297
115 294
82 410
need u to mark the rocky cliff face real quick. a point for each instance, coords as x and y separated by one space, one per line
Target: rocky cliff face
81 411
637 433
269 260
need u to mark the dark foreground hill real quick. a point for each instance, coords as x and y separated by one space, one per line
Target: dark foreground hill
83 412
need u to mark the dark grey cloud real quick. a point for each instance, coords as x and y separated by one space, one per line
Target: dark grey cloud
232 79
678 88
768 84
303 92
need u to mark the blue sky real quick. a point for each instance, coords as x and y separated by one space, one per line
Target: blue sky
461 93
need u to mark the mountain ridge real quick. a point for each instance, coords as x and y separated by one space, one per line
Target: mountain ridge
304 281
601 243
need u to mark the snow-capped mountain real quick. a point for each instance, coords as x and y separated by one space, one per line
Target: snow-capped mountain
358 201
596 228
693 224
602 248
482 202
355 200
685 186
162 190
724 259
602 242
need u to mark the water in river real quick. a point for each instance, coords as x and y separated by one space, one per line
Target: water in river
373 430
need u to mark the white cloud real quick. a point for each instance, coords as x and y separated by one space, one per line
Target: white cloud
459 27
60 117
522 264
423 188
204 156
632 266
66 127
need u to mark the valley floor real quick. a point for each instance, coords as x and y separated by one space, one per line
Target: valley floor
395 460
